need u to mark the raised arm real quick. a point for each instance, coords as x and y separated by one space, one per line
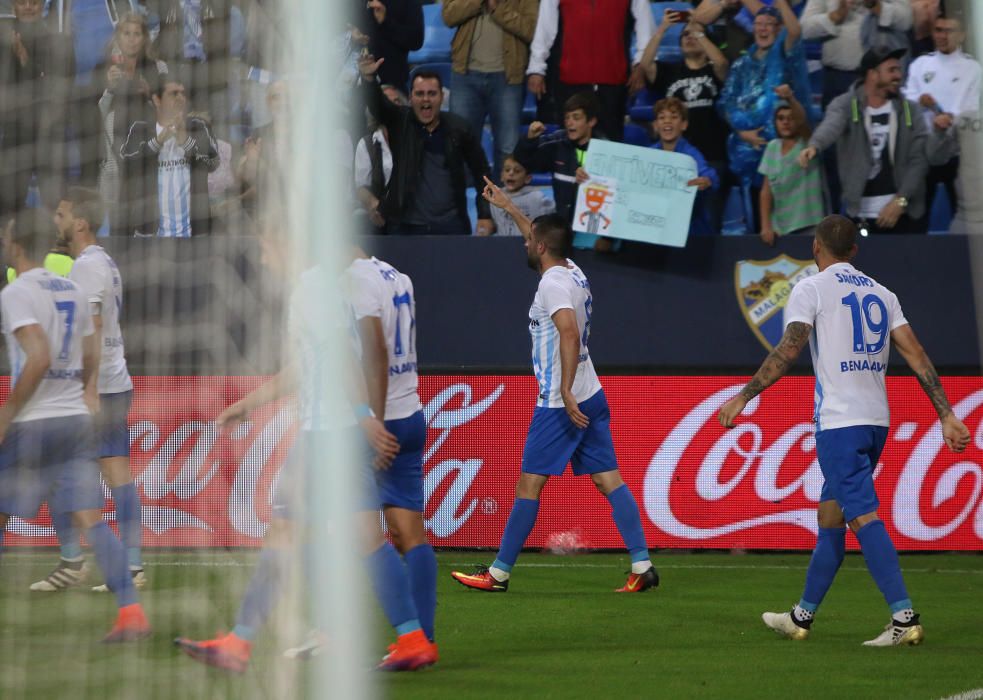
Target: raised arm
495 197
955 433
721 66
565 321
647 60
772 369
791 22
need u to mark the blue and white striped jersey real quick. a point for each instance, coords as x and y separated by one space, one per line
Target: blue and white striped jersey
173 189
561 288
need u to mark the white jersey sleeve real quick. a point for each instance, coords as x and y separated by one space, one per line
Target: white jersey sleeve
894 308
803 304
554 295
15 304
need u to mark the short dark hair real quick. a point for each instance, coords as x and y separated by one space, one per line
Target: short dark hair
554 230
426 74
671 104
586 101
33 230
162 81
838 235
86 205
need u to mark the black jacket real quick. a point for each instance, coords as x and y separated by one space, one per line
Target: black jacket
406 144
138 181
554 153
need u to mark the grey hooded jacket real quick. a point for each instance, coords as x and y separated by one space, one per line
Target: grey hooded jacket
911 148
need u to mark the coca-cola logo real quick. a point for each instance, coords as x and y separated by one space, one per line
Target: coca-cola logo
760 464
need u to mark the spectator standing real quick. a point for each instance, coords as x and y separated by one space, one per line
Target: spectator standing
748 100
129 70
431 152
731 22
563 152
260 172
946 83
881 148
923 14
394 28
489 55
374 165
791 198
839 25
531 201
166 161
37 71
697 82
593 54
670 124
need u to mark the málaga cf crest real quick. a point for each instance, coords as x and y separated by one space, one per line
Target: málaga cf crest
763 289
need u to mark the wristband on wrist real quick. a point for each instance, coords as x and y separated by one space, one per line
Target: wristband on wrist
362 411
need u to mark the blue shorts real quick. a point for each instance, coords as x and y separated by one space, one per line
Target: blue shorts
53 460
553 440
847 458
296 485
402 484
112 428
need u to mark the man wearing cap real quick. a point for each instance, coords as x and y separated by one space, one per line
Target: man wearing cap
882 148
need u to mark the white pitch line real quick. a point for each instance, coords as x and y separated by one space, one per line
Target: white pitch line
225 564
975 694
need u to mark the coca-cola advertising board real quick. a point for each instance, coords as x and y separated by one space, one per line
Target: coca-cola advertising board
697 484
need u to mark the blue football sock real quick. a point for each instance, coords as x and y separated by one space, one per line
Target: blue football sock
111 556
262 593
422 565
517 529
128 521
624 510
825 562
392 588
882 562
68 536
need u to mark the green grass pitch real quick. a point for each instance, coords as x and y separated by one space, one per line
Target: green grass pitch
560 632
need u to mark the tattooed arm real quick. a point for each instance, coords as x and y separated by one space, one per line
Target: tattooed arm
954 432
771 370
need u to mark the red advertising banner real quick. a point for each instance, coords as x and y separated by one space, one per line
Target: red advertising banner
697 485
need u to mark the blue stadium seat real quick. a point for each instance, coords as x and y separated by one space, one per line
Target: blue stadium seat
636 135
940 217
528 108
487 144
640 106
436 38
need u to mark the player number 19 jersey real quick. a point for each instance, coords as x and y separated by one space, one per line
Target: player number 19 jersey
852 317
561 287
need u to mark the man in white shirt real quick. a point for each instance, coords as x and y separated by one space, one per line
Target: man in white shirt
46 447
97 275
571 423
850 322
946 83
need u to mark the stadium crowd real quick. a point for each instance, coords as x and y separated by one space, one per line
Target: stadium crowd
792 109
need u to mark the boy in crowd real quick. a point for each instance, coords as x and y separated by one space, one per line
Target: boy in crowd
563 153
671 120
530 200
